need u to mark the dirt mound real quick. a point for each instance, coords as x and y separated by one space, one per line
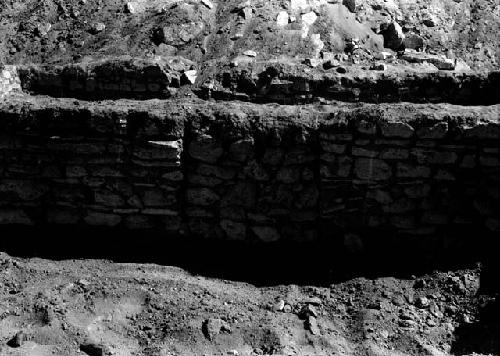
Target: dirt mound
207 32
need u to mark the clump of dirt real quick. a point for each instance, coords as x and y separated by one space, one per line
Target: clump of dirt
95 307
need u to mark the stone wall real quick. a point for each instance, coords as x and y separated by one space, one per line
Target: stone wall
281 84
122 77
9 80
250 172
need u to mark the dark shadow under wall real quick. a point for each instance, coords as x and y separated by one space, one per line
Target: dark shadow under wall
319 263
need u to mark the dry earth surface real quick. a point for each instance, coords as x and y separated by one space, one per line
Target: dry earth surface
96 307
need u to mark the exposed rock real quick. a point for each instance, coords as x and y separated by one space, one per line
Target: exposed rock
311 324
393 36
190 76
282 19
350 4
97 27
43 29
413 41
93 349
378 66
279 305
18 340
250 53
208 3
212 327
440 62
135 7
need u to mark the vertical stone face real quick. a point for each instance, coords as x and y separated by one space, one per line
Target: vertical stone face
242 178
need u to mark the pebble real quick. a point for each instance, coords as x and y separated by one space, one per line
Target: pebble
98 27
422 302
250 53
279 305
287 308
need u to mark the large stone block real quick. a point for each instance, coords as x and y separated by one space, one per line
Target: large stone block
159 150
14 217
241 150
266 233
372 169
234 230
24 190
205 148
426 156
396 129
438 131
405 170
201 196
102 219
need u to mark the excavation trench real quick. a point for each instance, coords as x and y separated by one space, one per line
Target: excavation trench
352 177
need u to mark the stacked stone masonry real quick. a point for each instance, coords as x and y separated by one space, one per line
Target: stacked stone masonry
242 171
107 79
266 84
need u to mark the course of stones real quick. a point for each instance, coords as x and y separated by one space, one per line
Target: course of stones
248 171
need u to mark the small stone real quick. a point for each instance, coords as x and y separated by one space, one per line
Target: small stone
208 3
313 301
190 76
422 302
242 5
430 21
93 349
331 63
378 66
134 7
18 340
282 19
309 18
308 310
350 4
287 308
383 55
312 62
43 29
250 53
233 352
97 27
279 305
213 327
